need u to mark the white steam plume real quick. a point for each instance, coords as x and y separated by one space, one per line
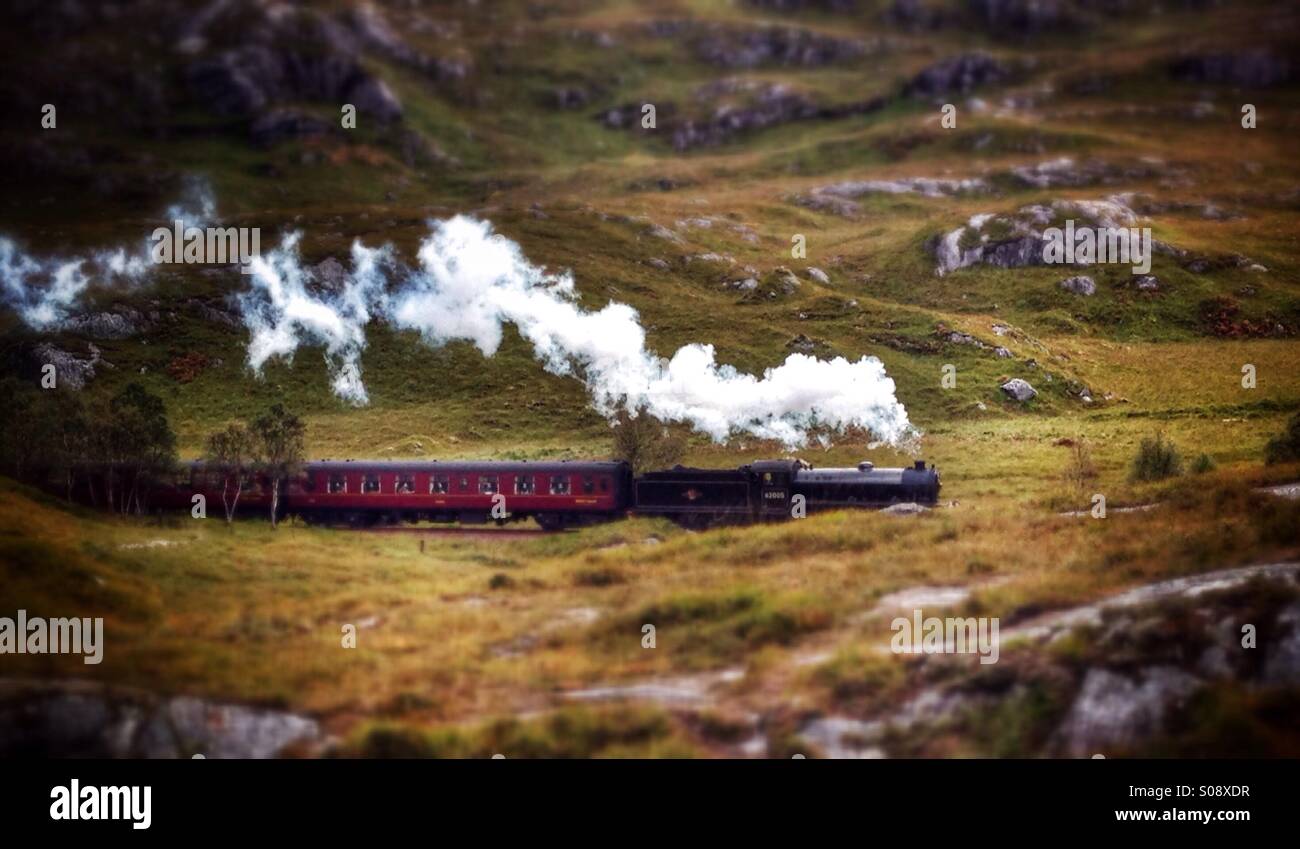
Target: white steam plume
281 312
44 290
471 281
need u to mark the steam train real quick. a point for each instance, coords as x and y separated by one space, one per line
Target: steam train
559 495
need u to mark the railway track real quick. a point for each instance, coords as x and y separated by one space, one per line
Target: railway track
453 533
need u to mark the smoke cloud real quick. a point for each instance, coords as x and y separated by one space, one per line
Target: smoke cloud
281 312
44 290
470 282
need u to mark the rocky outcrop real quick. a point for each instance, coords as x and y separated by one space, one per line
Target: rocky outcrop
330 275
418 150
1019 390
745 46
779 282
119 323
802 344
244 81
1138 660
1016 240
71 371
1065 172
956 337
838 198
916 15
1145 204
374 33
744 106
782 281
629 116
373 98
1012 19
1249 69
828 203
213 313
724 109
1080 285
87 720
1282 665
297 55
1117 711
752 47
285 124
958 75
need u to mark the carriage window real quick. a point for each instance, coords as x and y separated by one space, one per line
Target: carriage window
370 484
588 485
559 485
604 484
439 484
464 484
405 483
338 483
487 484
246 484
524 484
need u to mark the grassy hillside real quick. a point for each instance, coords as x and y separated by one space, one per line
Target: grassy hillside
579 195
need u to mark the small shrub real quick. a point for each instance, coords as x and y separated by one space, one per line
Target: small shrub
187 367
1202 464
501 581
1157 459
1278 521
604 576
1285 447
1080 470
391 741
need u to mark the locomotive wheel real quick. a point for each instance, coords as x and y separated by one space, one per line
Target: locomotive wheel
693 521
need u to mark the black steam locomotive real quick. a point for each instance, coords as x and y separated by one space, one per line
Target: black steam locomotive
771 490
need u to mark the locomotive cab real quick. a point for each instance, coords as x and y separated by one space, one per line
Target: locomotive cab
773 487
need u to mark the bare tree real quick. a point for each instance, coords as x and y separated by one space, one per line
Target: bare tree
230 453
279 437
645 442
